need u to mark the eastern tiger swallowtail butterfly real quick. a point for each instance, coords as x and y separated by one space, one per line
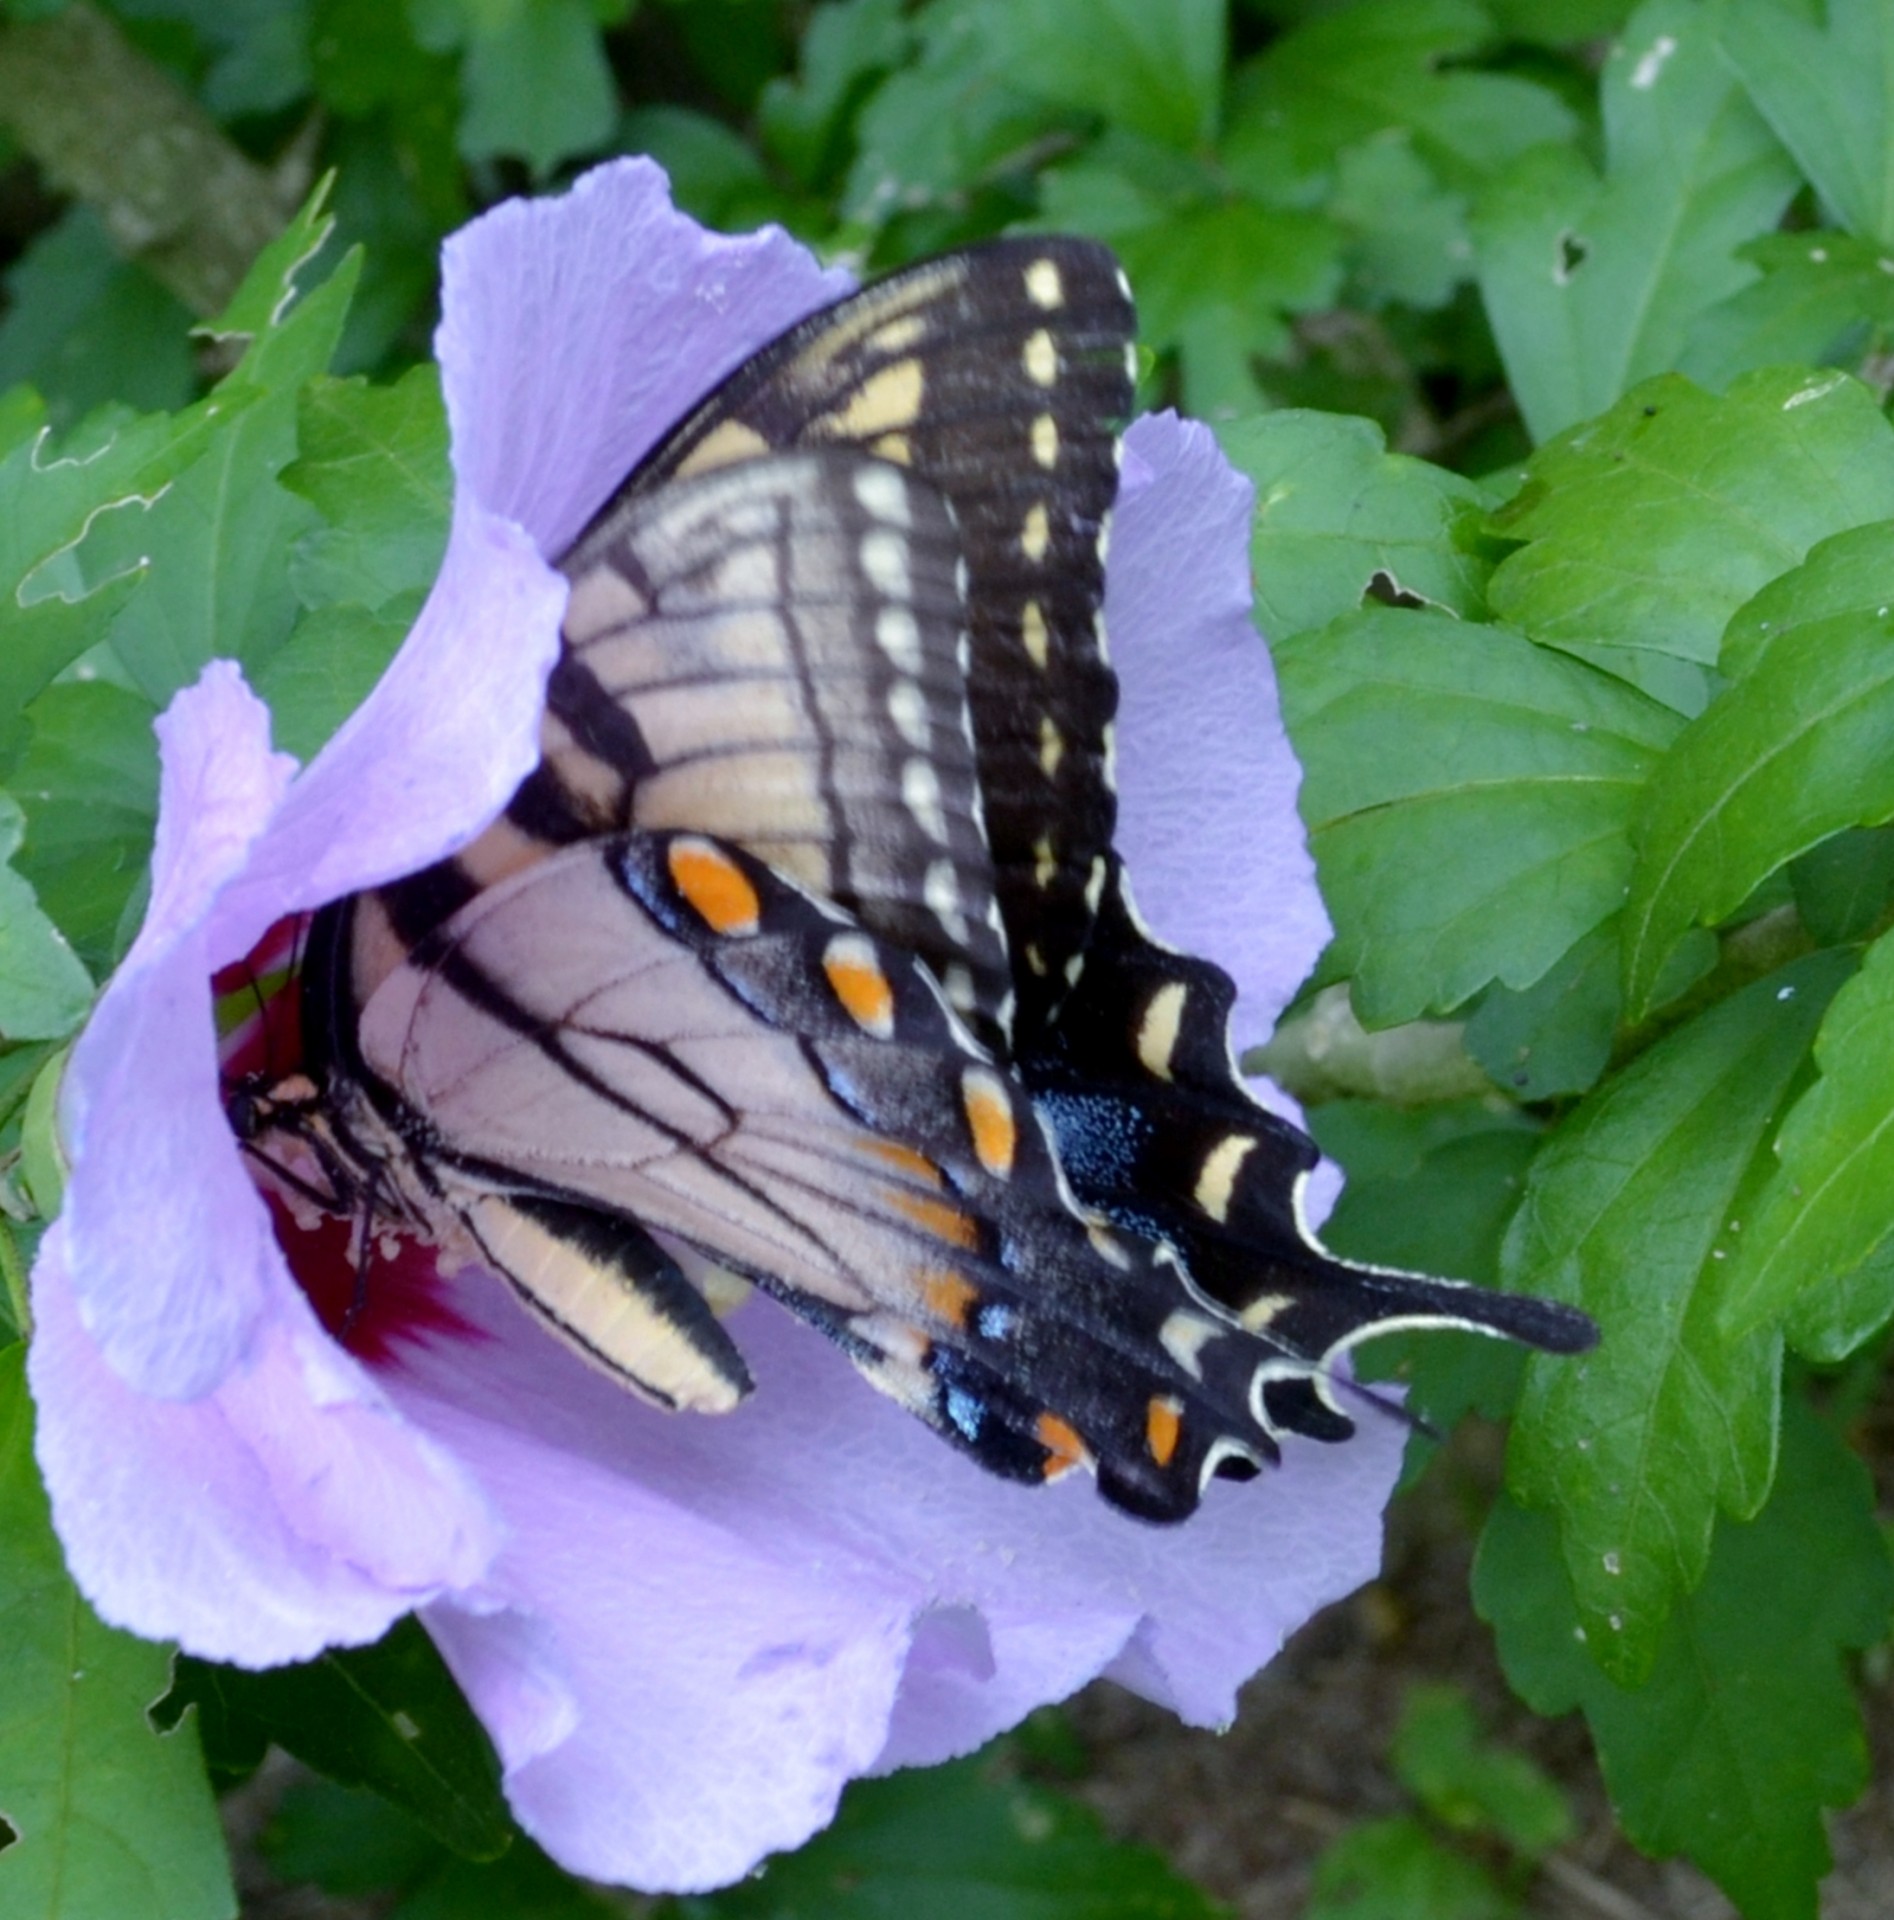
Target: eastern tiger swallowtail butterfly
804 954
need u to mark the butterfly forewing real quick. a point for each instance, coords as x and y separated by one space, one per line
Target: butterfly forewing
778 651
1002 377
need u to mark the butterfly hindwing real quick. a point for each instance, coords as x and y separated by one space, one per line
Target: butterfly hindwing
1157 1132
737 1064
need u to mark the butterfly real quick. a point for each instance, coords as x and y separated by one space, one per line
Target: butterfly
805 955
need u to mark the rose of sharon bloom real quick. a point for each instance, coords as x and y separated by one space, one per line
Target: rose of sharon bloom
685 1634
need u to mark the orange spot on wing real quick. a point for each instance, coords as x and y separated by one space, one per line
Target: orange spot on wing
949 1296
1064 1448
717 888
862 988
1163 1422
990 1117
896 1153
941 1220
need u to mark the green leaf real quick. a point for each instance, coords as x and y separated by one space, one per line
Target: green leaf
1795 751
373 462
387 1716
537 81
953 1841
1396 1869
44 988
110 1817
1352 75
42 1156
1468 796
1471 1784
847 47
1627 1214
1409 239
1337 514
1648 528
88 781
1823 299
18 1067
271 287
1841 573
1154 71
1747 1726
327 668
74 533
87 326
218 583
1825 90
1215 275
934 128
1842 887
1592 283
1553 1037
358 1847
1829 1207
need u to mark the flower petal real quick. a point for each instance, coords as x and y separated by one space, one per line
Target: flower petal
158 1200
289 1510
576 330
1207 782
751 1609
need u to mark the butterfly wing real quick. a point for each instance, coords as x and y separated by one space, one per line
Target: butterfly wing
1001 376
1158 1133
706 1049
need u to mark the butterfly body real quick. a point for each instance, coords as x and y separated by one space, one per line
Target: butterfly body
805 953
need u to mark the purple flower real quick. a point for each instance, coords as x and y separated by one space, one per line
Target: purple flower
684 1634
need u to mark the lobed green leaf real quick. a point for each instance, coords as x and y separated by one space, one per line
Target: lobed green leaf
44 987
88 782
1823 299
1648 528
1828 1208
1472 1784
1746 1727
1791 754
1338 515
1592 281
1396 1869
953 1841
1468 797
109 1817
1627 1214
1824 89
387 1716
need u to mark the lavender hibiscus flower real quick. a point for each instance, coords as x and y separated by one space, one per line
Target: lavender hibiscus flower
684 1634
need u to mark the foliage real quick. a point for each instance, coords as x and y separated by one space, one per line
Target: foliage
1554 340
